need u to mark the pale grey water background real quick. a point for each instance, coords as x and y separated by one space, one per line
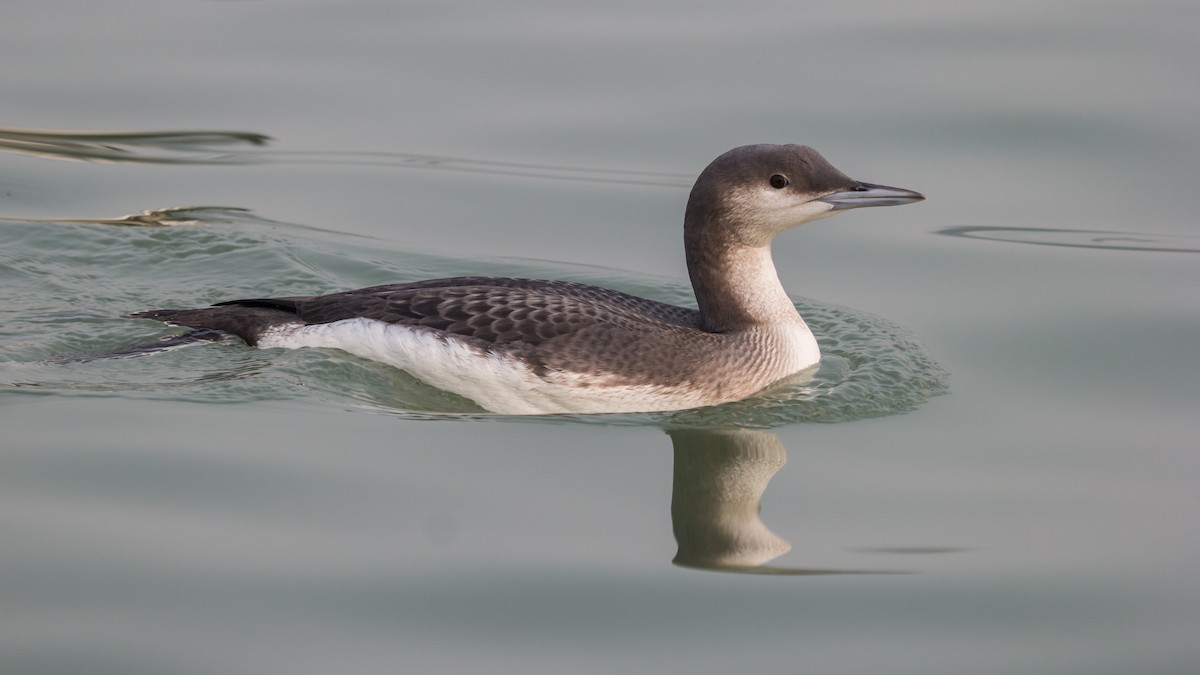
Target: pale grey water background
223 510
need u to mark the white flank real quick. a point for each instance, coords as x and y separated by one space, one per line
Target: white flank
496 382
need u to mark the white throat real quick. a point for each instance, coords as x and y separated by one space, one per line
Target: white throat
754 285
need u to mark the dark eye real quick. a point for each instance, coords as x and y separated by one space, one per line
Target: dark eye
779 181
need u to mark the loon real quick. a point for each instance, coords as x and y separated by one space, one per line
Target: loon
527 347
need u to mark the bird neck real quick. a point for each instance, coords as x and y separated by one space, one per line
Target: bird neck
736 286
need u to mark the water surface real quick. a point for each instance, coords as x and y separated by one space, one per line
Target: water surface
995 471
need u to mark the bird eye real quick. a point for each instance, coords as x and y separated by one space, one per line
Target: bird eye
779 181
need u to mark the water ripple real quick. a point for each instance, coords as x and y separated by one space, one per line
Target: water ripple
148 147
196 147
1108 240
69 292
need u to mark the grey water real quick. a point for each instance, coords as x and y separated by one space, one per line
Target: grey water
995 469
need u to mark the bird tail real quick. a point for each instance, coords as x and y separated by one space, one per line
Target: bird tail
245 322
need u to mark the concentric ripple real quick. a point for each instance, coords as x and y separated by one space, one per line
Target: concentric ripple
62 332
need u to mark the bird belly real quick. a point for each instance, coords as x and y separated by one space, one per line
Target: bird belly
496 380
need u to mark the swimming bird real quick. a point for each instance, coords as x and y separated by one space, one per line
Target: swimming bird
523 346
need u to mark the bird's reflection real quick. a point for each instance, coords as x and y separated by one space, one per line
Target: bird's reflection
720 477
719 480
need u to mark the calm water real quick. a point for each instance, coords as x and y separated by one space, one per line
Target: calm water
995 471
